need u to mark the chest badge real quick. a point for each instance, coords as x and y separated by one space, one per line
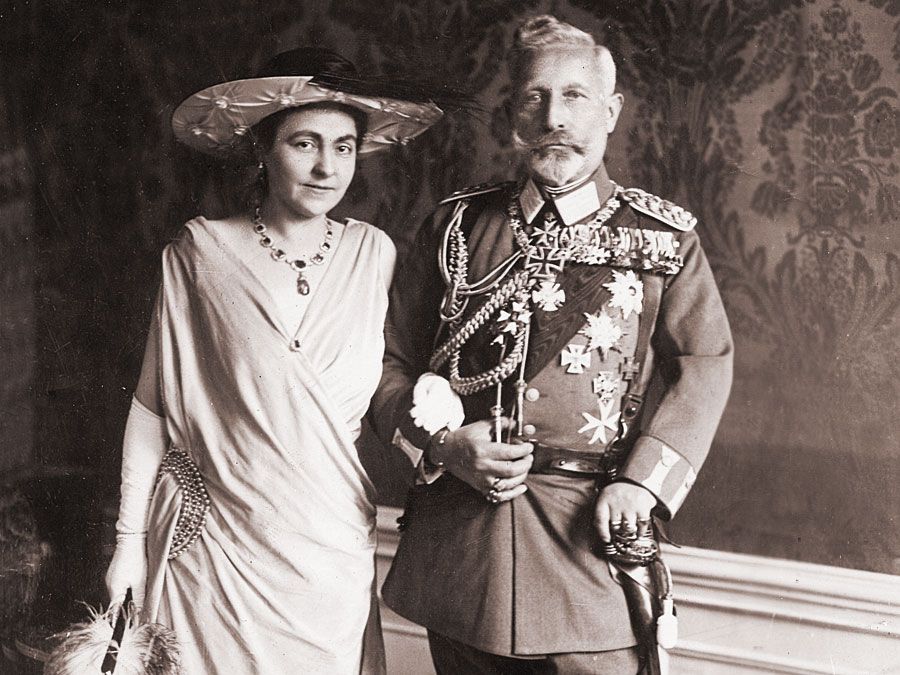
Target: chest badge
602 332
576 358
606 386
598 426
548 296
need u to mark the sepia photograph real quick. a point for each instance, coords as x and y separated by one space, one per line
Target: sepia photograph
438 337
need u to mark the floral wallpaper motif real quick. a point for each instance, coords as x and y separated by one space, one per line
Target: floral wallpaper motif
849 131
775 121
850 134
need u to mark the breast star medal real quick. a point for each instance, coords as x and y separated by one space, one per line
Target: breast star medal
601 331
598 426
627 292
576 358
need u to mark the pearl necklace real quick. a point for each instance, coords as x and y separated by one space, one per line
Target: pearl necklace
297 264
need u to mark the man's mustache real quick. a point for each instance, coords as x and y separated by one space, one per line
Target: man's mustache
555 138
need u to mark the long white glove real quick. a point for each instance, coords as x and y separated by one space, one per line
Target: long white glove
146 441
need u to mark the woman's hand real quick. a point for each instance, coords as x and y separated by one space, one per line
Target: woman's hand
128 569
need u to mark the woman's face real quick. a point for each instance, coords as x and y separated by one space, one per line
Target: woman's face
312 160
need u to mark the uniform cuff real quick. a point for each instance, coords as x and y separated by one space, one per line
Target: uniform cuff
662 470
424 474
412 451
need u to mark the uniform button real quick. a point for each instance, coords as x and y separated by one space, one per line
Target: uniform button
532 394
295 345
528 429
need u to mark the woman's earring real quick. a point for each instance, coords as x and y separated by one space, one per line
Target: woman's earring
261 187
261 177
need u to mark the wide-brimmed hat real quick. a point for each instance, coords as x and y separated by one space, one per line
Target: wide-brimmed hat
217 120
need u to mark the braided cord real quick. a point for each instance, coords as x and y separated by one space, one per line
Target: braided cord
459 257
521 281
465 386
463 333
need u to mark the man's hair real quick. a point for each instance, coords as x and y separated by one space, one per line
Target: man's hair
548 32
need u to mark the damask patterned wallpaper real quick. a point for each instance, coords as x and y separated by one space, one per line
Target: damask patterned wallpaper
775 122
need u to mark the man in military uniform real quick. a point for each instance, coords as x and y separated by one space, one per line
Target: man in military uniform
557 360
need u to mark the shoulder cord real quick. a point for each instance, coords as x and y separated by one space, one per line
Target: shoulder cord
462 332
453 263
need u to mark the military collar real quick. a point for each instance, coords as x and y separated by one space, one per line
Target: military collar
572 206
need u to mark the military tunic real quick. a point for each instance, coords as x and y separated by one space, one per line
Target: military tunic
628 352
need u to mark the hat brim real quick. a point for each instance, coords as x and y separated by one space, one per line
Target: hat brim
217 119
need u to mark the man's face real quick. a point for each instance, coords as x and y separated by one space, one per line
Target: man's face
562 115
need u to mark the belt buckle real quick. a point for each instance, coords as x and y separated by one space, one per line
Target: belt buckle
576 465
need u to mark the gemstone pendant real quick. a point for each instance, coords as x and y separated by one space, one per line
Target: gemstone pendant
302 285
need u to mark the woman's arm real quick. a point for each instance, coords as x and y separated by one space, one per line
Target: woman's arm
145 443
148 386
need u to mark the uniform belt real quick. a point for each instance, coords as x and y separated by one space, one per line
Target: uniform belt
563 461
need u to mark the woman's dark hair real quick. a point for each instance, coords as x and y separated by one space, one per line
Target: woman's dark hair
264 132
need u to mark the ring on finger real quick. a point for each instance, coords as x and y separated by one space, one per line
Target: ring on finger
493 497
495 482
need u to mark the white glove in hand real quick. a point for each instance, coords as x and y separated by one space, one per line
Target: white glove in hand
128 569
146 441
435 404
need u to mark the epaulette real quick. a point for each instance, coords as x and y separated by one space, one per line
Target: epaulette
659 208
476 190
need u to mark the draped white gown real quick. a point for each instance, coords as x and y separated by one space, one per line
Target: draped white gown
281 579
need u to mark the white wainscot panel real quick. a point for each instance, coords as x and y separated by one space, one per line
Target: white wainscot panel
737 614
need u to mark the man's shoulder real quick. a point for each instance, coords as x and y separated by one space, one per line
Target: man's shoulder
482 189
661 210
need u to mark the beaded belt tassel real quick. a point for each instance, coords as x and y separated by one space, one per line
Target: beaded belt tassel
194 499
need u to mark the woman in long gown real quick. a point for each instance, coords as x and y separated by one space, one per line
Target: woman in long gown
256 542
